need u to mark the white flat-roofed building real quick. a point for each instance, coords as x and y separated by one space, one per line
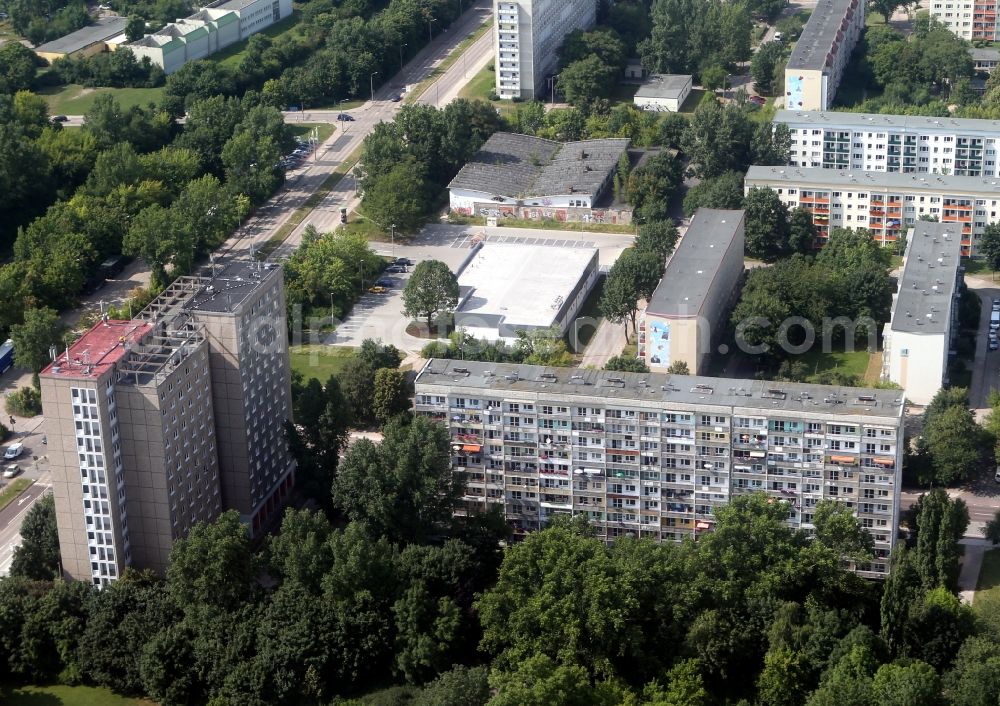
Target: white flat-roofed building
821 54
918 338
884 203
699 285
527 35
511 288
663 92
985 59
653 455
212 28
893 143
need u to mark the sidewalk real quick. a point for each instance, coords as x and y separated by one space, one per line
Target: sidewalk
972 561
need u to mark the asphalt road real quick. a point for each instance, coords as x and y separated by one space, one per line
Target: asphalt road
10 523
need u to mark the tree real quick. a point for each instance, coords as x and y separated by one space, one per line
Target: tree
17 67
213 565
991 530
762 66
652 185
324 416
659 237
714 77
459 686
626 363
432 288
937 626
801 231
724 191
634 276
37 557
41 330
906 684
840 529
403 488
901 589
766 227
401 197
135 28
586 80
391 394
953 441
941 523
989 245
975 677
678 367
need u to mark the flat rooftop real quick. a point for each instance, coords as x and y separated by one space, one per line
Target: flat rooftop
103 28
225 291
664 389
984 54
663 86
522 166
858 179
98 350
526 285
691 271
821 33
897 123
927 285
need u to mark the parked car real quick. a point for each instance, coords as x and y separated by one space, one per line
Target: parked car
11 470
59 118
377 289
396 98
994 342
996 304
384 282
396 269
345 116
758 100
405 261
13 451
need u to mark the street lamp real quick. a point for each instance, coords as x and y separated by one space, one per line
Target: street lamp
401 56
343 123
429 35
392 238
371 80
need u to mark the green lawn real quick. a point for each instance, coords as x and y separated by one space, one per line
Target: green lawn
305 129
456 219
12 490
319 361
74 99
480 86
987 599
855 363
233 54
65 696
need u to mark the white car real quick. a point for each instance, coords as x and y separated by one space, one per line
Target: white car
11 471
13 451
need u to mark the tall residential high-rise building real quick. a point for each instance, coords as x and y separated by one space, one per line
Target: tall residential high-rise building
242 312
166 420
527 34
972 20
131 445
654 455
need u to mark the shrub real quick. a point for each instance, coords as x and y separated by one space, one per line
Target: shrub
26 402
4 433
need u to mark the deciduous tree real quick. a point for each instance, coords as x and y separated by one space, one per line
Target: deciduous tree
431 289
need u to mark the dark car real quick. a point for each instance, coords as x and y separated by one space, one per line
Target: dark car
345 116
405 261
396 98
59 119
384 282
396 269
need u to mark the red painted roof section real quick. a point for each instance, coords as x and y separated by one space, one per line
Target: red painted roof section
98 349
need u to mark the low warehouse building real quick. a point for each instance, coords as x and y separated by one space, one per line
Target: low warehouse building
699 285
663 93
511 288
924 323
519 176
87 41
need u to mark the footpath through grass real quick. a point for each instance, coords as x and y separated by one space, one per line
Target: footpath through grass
74 99
13 489
65 696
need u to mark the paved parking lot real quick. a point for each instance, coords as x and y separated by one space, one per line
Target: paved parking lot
380 315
